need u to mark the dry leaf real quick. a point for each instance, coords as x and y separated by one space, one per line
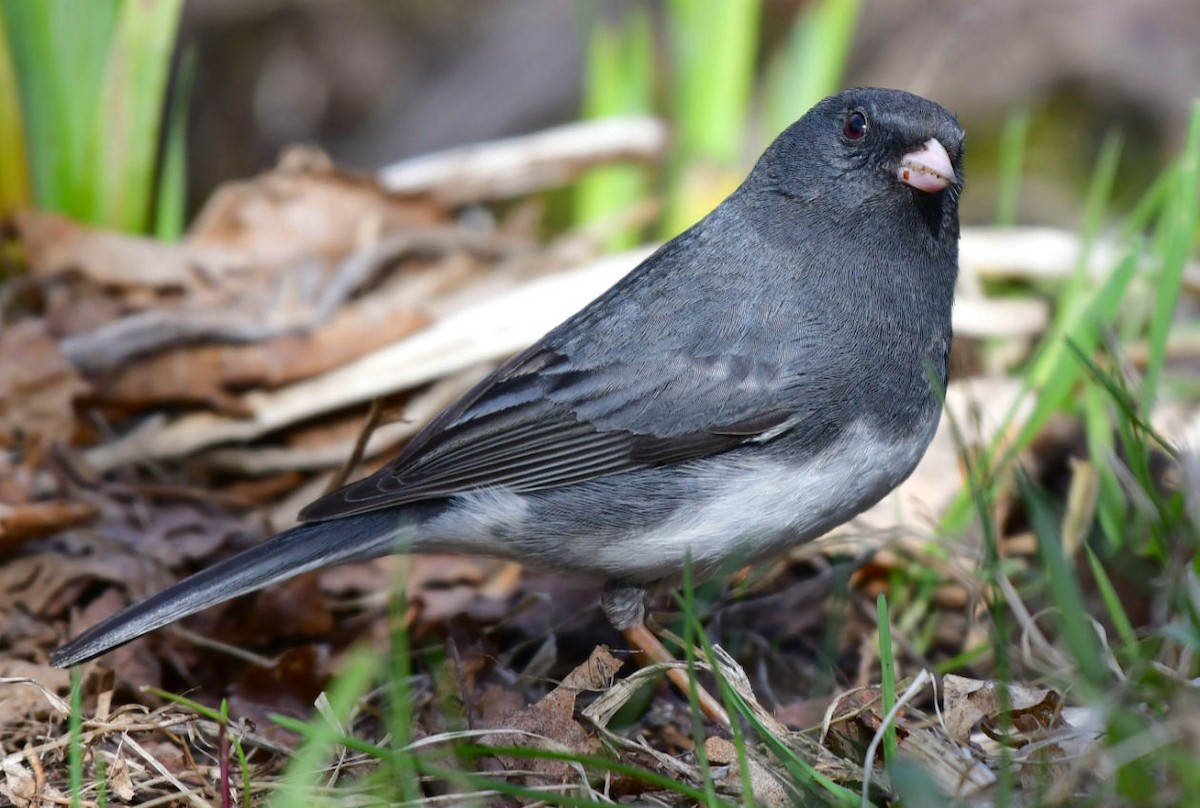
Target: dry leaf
33 520
766 789
449 585
20 786
857 718
305 209
119 779
30 691
37 387
56 246
554 718
970 702
288 686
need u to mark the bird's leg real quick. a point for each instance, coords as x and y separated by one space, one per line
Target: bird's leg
624 606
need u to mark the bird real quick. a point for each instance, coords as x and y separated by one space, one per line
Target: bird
760 379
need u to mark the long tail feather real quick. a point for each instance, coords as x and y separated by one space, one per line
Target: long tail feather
301 549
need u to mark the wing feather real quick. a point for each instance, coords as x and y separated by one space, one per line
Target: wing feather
533 425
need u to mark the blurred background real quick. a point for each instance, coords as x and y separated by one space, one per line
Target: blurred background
194 94
373 81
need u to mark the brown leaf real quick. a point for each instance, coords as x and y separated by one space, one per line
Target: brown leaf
210 373
55 245
20 786
553 720
304 209
247 272
971 702
119 779
449 585
33 582
37 387
289 686
33 520
858 717
22 701
296 608
766 789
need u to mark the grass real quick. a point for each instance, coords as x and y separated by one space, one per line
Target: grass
15 189
619 80
1120 510
707 89
887 664
82 86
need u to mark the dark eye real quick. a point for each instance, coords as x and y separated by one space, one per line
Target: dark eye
856 126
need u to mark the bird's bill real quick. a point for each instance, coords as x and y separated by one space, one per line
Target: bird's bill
928 168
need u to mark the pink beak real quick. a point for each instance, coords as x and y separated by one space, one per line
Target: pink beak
928 168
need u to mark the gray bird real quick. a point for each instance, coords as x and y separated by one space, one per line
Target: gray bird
760 379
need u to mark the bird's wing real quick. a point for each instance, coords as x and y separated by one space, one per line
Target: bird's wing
543 420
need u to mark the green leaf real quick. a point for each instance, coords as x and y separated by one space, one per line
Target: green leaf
59 49
170 212
620 81
1173 245
887 688
1008 176
323 733
715 46
15 189
130 112
1065 592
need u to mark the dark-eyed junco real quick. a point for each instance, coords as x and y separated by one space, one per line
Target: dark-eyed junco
757 381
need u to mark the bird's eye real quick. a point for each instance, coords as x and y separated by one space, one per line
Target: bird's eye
856 126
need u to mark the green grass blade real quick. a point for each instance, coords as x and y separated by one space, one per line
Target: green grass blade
619 81
75 750
59 49
887 665
1057 382
219 716
129 115
1178 223
1111 507
1081 312
1126 405
810 64
400 718
980 496
812 782
1008 175
731 705
1062 367
243 762
314 733
715 47
521 795
321 735
594 762
15 188
691 627
1150 203
1112 601
171 198
1065 592
1076 297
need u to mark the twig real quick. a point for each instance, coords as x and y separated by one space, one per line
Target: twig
502 169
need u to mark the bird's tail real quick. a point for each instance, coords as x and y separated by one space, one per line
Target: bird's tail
301 549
